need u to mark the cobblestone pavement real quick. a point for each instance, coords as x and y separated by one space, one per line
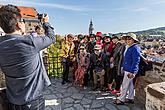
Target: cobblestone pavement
70 97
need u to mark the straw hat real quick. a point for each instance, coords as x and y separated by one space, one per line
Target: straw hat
133 36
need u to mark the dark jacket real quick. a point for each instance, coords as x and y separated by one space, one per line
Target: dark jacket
118 54
97 64
90 47
22 65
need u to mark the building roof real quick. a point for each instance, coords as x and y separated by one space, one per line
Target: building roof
28 12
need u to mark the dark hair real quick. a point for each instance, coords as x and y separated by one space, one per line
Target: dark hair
115 37
9 16
38 27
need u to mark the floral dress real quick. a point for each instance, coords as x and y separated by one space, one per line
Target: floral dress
83 63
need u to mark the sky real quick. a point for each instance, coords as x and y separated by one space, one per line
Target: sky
108 16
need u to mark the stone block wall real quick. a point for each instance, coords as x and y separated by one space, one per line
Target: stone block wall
156 75
2 79
2 92
155 96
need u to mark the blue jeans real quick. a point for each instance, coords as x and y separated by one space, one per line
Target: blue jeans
37 104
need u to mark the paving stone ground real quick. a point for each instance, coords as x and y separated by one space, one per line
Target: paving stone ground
70 97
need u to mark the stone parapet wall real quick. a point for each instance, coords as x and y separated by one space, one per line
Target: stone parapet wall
2 79
2 91
156 75
155 96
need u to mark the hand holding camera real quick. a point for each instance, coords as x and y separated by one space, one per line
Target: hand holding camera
43 17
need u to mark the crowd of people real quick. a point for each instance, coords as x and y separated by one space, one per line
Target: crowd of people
109 62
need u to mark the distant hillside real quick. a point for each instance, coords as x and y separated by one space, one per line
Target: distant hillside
156 31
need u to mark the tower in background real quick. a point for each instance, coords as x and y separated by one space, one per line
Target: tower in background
91 29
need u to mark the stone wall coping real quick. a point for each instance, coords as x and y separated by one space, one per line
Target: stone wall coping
157 90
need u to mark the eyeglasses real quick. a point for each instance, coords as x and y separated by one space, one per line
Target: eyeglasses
22 20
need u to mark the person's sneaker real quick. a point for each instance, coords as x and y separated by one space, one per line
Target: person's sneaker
115 92
118 94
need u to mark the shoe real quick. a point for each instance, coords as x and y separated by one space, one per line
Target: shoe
130 101
115 92
63 82
118 102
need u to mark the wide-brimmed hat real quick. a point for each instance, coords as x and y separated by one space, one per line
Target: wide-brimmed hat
106 35
98 47
133 36
70 36
80 36
123 36
99 34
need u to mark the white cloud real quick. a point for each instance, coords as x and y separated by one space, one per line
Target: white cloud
141 9
156 2
138 9
121 9
46 5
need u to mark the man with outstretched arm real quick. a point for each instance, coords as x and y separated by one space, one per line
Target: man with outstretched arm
20 60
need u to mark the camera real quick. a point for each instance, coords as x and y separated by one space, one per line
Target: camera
40 16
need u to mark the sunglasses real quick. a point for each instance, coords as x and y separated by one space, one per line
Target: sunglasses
129 38
96 49
22 20
82 49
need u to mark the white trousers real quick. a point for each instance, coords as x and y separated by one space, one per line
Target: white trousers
127 87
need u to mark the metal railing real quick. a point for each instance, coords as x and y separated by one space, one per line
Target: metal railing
53 65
